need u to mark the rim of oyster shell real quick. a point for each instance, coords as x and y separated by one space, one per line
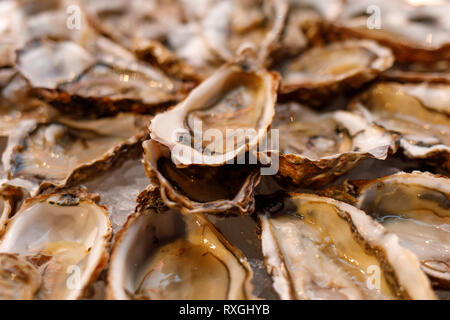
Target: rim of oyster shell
78 83
64 235
326 249
424 126
226 20
322 71
201 189
11 197
414 33
241 89
421 226
157 241
64 159
337 142
438 72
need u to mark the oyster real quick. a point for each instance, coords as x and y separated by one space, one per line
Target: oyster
438 72
10 199
227 189
323 71
65 152
414 206
226 115
424 124
316 147
64 236
320 248
163 254
229 25
71 79
414 33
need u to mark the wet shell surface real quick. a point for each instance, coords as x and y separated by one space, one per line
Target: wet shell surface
414 33
163 254
227 189
338 67
415 206
424 125
65 152
60 240
80 84
320 248
316 147
226 115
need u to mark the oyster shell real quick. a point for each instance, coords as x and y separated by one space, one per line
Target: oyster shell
227 189
65 152
239 97
424 126
414 33
17 104
64 236
438 72
230 25
320 248
10 199
71 79
322 72
199 261
414 206
316 147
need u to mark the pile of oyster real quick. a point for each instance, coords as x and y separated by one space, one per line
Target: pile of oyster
285 149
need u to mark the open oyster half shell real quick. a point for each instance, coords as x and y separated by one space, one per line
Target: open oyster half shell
419 112
319 248
227 189
64 152
321 72
163 254
61 239
81 84
416 207
316 147
226 115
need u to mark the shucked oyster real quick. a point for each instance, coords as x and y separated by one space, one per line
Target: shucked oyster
226 115
71 79
230 24
415 206
227 189
316 147
65 152
320 248
322 71
424 124
414 33
163 254
61 240
10 199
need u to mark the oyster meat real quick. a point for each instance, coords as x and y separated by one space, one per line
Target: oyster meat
61 240
316 147
424 125
163 254
320 248
65 151
322 72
